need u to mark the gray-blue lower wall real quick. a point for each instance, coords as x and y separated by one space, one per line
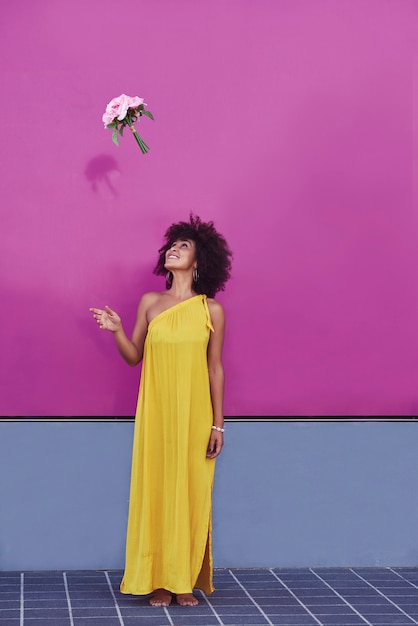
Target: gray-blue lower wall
287 494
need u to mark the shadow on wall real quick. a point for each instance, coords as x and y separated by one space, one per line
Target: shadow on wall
102 172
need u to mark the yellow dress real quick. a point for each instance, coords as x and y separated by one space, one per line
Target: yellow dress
169 526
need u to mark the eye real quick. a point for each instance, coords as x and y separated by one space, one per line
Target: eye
184 245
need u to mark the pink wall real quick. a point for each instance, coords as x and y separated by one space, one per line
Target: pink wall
290 123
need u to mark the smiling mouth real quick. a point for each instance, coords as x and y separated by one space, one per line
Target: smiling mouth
172 256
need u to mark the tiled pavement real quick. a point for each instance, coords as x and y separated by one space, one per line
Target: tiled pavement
254 597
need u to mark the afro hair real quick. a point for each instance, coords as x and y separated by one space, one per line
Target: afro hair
213 255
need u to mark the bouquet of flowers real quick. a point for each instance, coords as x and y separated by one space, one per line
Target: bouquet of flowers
124 111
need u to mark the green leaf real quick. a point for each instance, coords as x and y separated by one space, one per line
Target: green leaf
115 137
148 114
111 125
121 130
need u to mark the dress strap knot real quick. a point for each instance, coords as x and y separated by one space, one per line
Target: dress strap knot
208 318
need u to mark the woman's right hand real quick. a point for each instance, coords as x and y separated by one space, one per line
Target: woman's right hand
107 319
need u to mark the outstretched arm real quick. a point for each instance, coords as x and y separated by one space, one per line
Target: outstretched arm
216 377
131 349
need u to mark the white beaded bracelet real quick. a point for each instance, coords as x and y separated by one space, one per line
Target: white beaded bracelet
220 430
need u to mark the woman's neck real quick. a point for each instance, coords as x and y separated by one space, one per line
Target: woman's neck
181 287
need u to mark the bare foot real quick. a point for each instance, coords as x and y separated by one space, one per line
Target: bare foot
187 599
161 597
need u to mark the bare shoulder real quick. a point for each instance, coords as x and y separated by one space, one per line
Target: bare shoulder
148 299
150 296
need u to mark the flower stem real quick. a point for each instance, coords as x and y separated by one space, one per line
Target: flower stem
141 143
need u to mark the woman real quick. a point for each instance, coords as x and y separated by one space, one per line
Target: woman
179 421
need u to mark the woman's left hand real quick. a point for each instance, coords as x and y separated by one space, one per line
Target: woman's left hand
216 442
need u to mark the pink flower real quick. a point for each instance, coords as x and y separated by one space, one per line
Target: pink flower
134 101
118 107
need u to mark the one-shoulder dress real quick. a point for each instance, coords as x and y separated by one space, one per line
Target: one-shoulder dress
169 536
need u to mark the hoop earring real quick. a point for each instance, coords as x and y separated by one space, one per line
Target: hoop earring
195 275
